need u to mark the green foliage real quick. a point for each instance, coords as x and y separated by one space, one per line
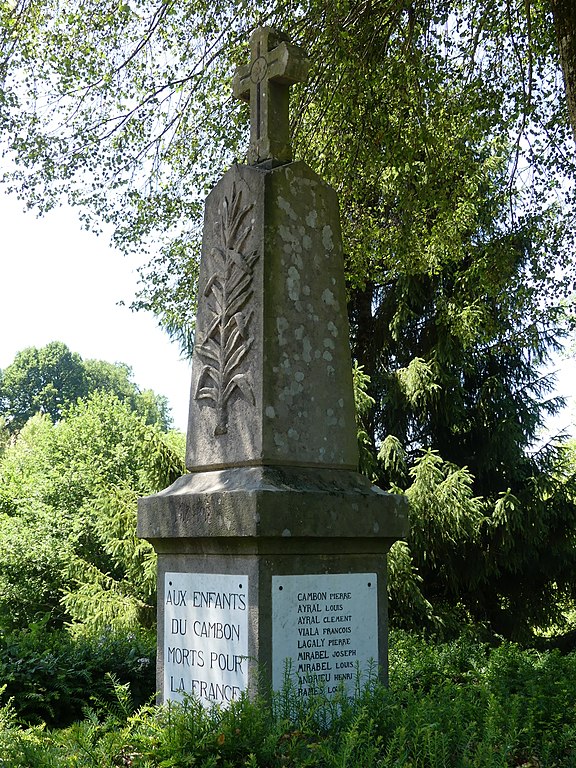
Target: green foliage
445 522
41 380
459 704
444 130
454 302
130 117
22 476
35 562
68 517
503 560
53 678
408 606
444 512
363 403
116 378
4 433
51 379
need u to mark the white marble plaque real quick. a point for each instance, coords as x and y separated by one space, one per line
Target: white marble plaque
324 630
205 637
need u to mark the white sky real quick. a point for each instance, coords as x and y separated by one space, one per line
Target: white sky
61 283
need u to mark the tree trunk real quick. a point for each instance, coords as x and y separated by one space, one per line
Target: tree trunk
564 12
364 345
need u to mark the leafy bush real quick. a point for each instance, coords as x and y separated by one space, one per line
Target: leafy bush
68 496
460 704
51 677
34 569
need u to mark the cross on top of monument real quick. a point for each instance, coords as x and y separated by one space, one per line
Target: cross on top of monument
275 65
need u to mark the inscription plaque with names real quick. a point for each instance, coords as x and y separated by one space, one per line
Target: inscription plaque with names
205 637
324 630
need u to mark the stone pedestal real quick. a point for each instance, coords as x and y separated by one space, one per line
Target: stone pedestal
256 524
272 552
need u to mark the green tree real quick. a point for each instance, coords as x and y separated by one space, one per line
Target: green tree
4 436
68 493
453 312
49 379
41 381
116 378
564 15
130 115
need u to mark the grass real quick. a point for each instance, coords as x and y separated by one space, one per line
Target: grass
459 704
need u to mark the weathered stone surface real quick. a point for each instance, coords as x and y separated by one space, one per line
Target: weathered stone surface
257 569
268 503
271 371
275 65
274 499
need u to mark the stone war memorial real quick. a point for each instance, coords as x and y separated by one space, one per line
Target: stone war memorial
272 550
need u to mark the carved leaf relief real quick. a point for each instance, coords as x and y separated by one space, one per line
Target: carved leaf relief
226 342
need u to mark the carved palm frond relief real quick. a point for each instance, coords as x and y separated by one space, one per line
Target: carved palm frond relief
227 340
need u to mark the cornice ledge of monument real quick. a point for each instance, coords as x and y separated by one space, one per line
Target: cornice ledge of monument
265 502
270 173
292 169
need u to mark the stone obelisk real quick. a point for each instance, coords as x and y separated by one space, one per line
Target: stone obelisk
272 551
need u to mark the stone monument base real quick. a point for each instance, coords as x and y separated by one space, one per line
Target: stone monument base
268 571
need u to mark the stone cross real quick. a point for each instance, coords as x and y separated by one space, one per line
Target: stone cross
275 65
